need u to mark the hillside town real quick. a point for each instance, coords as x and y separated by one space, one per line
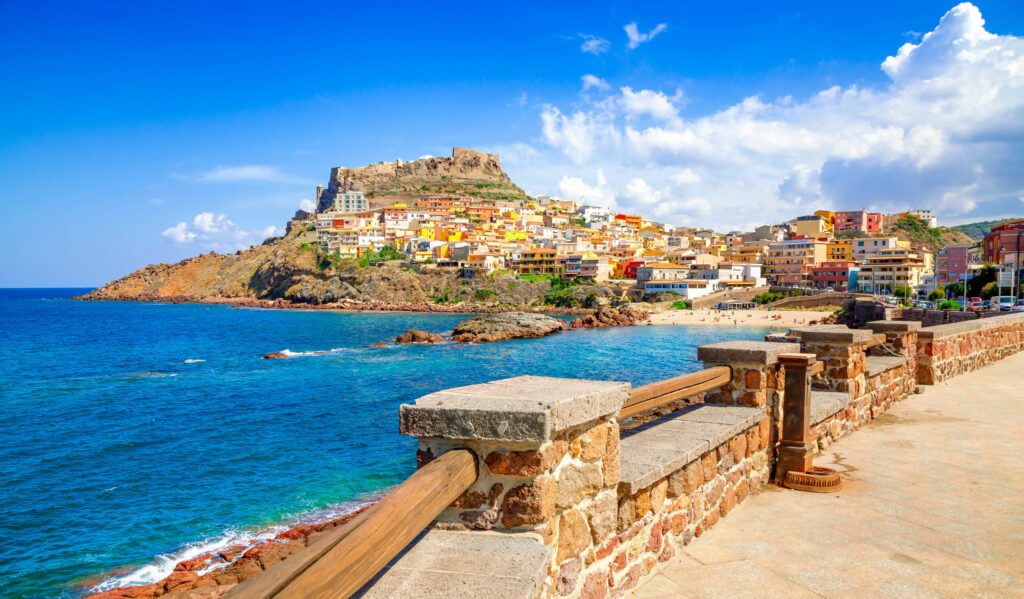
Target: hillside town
546 237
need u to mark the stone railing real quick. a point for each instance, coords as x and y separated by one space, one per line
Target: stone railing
603 508
948 350
861 377
565 503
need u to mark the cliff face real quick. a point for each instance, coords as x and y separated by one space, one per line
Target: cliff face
466 172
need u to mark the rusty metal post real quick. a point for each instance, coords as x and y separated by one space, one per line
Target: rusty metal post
796 451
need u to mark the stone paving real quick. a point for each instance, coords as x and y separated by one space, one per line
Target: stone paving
932 506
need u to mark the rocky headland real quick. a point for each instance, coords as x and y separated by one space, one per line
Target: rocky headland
506 326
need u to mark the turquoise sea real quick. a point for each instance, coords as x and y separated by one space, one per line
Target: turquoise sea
136 434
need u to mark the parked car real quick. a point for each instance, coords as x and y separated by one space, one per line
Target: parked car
976 306
987 304
1005 302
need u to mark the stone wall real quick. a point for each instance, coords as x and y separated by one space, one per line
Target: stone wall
655 522
949 350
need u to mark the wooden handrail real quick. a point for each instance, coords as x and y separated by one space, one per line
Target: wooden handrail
660 393
342 561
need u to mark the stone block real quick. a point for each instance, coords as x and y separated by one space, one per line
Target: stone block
529 504
577 482
524 408
894 326
746 352
832 334
573 535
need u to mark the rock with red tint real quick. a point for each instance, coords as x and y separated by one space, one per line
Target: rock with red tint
414 336
611 317
276 356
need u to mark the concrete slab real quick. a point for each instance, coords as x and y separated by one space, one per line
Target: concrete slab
524 408
457 564
749 352
826 403
876 365
663 446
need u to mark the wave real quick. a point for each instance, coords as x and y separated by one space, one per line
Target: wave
239 540
315 352
153 374
194 360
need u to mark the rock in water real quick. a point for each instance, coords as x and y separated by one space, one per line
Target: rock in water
505 326
276 356
414 336
611 317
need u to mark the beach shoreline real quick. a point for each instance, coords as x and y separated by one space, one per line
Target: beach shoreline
751 318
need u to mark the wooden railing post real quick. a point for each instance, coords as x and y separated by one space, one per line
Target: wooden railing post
796 449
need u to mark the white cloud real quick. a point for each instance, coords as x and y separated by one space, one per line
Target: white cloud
309 205
686 177
946 131
641 193
575 189
594 82
248 173
636 38
211 231
593 44
647 102
179 233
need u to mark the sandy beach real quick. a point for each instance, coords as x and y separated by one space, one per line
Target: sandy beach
758 318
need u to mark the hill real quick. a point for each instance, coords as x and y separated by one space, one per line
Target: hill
917 232
978 230
296 270
466 173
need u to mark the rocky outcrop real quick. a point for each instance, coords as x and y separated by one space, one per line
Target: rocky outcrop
276 356
624 316
506 326
414 336
466 172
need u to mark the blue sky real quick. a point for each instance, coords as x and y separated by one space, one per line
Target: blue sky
121 120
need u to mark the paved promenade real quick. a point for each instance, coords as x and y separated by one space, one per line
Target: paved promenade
933 506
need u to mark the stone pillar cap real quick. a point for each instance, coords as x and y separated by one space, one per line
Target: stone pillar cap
523 408
894 326
832 333
797 359
748 352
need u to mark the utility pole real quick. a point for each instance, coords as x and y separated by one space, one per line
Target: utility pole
1016 266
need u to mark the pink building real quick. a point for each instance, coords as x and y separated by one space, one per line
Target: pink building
951 263
858 220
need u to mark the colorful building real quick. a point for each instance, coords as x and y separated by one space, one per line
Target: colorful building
860 221
836 275
790 262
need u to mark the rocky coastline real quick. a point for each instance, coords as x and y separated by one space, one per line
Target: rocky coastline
346 305
213 574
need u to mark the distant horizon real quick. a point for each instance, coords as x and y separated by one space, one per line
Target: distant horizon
126 122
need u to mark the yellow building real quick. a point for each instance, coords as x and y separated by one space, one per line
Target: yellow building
829 218
840 251
885 270
809 226
537 261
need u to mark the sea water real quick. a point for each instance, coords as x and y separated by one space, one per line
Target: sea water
135 435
